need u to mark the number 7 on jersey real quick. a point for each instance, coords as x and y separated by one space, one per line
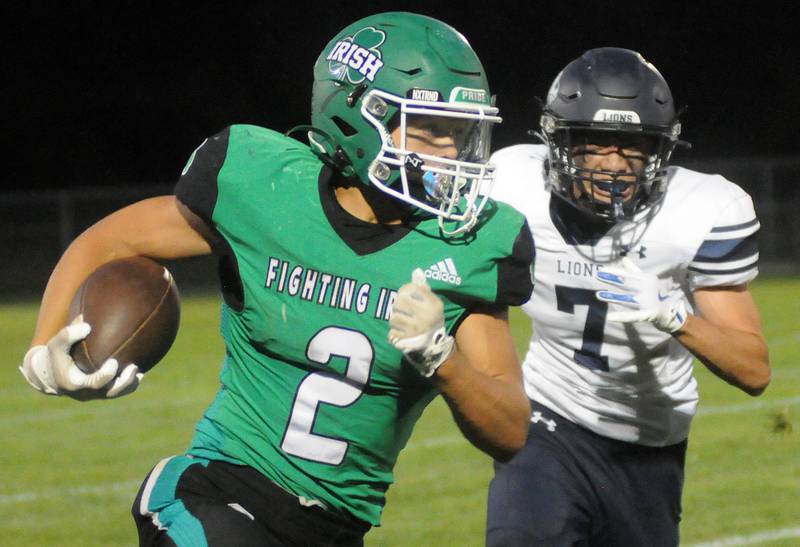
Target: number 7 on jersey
589 354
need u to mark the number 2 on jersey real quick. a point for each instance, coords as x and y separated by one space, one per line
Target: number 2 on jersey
589 354
328 388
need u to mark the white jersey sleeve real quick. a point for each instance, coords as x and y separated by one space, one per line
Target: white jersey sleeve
515 184
728 254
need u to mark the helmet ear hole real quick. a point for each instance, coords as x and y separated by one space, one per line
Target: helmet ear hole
346 129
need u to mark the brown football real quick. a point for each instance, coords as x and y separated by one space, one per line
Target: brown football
133 307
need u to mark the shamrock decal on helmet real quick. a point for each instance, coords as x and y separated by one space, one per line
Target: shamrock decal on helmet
357 58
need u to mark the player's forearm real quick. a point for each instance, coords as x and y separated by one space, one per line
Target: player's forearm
157 227
740 358
83 256
492 413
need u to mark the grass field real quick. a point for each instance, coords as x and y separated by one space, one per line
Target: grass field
69 471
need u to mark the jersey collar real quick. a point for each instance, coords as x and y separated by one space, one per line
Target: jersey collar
576 227
362 237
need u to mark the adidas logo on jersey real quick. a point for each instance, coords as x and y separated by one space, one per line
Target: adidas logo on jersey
444 270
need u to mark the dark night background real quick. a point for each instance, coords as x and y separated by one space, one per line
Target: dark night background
122 92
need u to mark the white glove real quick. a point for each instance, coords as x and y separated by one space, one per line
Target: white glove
644 293
416 326
51 370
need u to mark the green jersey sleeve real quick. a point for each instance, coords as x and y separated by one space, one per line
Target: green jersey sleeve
515 271
197 185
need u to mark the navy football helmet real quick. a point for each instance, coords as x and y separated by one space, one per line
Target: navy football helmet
609 100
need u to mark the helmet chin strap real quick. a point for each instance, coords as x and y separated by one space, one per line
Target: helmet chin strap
617 204
618 199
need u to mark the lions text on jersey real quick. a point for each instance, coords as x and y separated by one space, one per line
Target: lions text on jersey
628 382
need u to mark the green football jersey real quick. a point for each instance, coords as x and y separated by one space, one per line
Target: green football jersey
313 395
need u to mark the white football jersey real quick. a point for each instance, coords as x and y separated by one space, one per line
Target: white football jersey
628 382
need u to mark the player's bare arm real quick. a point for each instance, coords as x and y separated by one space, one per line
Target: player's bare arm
159 227
726 336
477 372
482 384
724 333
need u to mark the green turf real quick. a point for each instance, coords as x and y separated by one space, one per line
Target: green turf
69 471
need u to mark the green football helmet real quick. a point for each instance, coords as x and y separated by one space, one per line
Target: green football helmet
385 71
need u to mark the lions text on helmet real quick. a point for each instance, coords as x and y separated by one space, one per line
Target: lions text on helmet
609 139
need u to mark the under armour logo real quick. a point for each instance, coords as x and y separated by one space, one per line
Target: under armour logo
627 249
537 417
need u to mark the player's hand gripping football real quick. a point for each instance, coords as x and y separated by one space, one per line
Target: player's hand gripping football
416 326
644 294
51 370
